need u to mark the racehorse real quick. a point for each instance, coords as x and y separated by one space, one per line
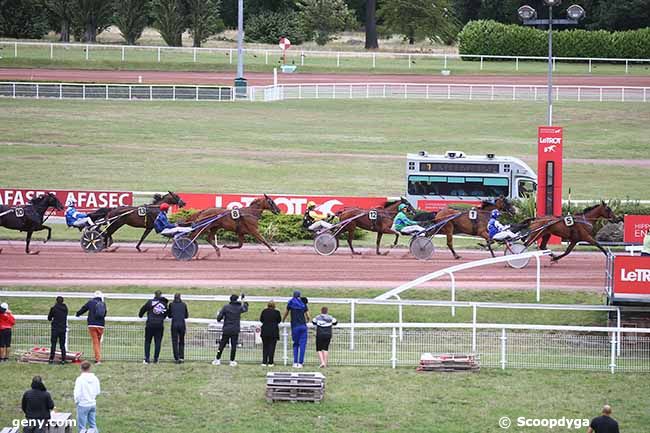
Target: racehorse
29 218
382 225
246 224
580 230
136 216
460 222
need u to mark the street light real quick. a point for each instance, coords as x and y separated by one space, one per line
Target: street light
240 81
528 16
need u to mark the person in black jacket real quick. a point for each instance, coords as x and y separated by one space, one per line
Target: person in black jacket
37 404
156 310
178 313
231 316
270 333
58 315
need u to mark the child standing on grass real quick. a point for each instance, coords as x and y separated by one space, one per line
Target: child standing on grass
324 323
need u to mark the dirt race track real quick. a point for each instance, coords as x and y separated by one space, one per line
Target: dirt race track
64 264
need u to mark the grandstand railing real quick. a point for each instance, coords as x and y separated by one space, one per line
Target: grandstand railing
371 60
378 344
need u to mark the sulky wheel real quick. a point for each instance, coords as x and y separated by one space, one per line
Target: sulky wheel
422 247
92 241
325 244
514 249
184 248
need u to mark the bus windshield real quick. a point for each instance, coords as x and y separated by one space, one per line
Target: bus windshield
459 186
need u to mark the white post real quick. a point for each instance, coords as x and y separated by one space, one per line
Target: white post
275 77
448 91
15 49
106 92
645 89
173 93
554 64
503 348
453 293
194 55
129 93
445 67
302 58
122 53
517 64
338 60
406 92
481 63
60 91
535 93
384 91
285 339
266 57
158 54
627 66
474 328
37 86
393 357
409 61
316 91
612 363
579 93
618 331
374 60
196 94
400 314
471 89
83 91
367 91
601 94
492 92
557 93
538 277
51 51
230 56
352 305
334 91
622 94
590 66
299 91
351 91
514 93
14 90
427 91
151 93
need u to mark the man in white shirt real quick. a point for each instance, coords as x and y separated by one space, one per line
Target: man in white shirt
86 390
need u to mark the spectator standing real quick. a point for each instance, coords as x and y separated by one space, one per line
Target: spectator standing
7 321
299 318
270 333
156 310
58 315
86 390
324 323
178 313
604 423
37 404
96 308
231 316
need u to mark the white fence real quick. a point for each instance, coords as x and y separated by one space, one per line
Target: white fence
499 346
462 92
339 59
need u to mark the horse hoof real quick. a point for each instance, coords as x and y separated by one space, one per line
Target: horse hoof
143 251
33 253
276 252
384 253
457 257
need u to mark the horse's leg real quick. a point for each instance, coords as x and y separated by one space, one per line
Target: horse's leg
144 235
350 236
396 240
212 240
545 239
240 239
570 248
449 229
488 241
49 234
261 239
28 239
595 243
379 236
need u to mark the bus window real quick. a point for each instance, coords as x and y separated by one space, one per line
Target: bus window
526 187
458 186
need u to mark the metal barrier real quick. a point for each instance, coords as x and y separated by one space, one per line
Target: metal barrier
370 60
499 346
462 92
130 92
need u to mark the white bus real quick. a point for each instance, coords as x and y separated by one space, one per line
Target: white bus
434 181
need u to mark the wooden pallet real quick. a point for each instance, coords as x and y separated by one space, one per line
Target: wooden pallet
41 355
281 386
448 362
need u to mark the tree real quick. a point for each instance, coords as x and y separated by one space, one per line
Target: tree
419 19
22 19
321 18
622 15
61 15
131 17
170 21
91 17
371 25
203 20
466 10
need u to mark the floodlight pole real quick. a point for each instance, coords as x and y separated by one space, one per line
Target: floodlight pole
550 66
240 39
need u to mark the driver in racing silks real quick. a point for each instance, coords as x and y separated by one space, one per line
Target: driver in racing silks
496 230
164 227
404 224
313 220
74 218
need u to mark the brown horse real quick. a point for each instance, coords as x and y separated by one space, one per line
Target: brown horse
382 225
460 222
581 229
246 224
138 216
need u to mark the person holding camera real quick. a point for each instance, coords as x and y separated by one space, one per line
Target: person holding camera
231 316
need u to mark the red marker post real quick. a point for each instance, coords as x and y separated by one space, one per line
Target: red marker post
549 172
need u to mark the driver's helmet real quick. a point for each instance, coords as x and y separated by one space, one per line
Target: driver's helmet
71 202
164 207
311 205
401 207
495 213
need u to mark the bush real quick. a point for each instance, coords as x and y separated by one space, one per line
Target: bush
269 27
493 38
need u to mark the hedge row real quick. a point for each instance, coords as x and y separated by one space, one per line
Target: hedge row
493 38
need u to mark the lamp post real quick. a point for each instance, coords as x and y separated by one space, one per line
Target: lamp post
240 81
528 16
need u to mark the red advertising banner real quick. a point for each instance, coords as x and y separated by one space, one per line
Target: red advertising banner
288 203
549 170
436 205
632 277
636 227
86 200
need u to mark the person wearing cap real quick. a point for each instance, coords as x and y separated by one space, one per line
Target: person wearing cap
156 310
96 309
604 423
164 227
403 224
178 313
58 315
74 218
299 311
496 230
231 316
313 220
7 321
